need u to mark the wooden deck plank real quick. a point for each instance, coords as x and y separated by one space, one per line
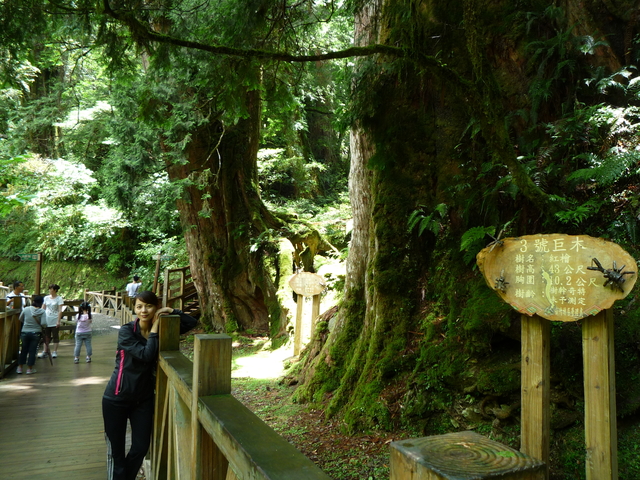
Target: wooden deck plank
51 422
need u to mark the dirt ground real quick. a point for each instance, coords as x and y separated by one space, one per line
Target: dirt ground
324 441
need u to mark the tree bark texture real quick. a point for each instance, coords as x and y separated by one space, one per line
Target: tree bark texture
221 213
414 142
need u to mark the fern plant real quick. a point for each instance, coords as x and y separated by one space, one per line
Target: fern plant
473 240
432 222
604 171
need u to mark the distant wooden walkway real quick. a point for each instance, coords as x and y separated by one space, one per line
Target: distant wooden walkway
51 422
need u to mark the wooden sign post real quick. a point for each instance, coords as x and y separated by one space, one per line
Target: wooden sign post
564 278
34 257
306 284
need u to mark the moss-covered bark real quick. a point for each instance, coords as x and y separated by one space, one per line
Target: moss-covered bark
418 326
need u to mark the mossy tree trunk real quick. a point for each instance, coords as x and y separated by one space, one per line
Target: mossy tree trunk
428 133
223 216
231 236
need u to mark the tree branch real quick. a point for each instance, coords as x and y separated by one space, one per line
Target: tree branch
143 33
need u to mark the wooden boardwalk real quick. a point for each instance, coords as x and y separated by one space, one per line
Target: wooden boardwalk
51 422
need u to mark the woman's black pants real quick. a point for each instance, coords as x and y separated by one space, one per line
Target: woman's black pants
122 465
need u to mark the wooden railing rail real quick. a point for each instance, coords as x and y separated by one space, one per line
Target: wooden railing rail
201 431
9 339
177 291
177 282
9 333
69 315
108 302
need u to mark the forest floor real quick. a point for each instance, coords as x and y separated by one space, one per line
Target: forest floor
258 382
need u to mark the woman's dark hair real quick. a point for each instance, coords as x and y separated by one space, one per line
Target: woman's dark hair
149 297
136 278
54 286
37 300
82 307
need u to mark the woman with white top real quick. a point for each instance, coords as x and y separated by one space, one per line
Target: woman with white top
52 304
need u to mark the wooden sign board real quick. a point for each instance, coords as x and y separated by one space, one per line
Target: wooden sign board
307 284
162 257
549 275
29 257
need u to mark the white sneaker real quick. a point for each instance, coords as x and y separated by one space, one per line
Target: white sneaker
19 370
54 355
88 359
42 355
31 370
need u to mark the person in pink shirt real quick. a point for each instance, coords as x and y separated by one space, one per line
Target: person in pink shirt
83 332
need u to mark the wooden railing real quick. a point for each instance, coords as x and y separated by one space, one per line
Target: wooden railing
177 291
178 288
9 334
69 315
201 431
108 302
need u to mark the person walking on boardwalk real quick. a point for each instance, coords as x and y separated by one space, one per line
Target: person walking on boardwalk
132 288
129 396
52 304
31 319
83 332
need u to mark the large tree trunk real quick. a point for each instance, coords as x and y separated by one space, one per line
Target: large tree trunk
231 236
222 215
413 147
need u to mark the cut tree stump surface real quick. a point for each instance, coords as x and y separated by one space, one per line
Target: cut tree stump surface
464 456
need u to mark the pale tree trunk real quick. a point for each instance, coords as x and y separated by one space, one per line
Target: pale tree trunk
360 177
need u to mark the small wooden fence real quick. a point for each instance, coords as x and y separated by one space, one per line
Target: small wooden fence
177 291
201 431
108 302
9 333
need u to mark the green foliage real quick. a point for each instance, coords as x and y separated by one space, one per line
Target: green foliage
73 277
474 240
580 213
418 219
10 196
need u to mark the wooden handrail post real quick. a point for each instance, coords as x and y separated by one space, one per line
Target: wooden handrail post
536 388
600 397
38 274
211 376
165 290
182 290
315 312
156 275
297 332
169 333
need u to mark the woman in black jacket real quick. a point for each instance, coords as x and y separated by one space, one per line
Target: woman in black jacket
129 395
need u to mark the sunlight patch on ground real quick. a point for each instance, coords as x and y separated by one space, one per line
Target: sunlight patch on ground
263 364
90 381
13 386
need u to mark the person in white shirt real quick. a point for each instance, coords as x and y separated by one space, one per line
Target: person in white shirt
132 288
18 288
52 304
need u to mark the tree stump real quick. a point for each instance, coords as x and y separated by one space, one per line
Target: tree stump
461 456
